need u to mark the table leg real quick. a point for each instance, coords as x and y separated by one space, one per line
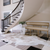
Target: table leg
38 32
30 32
26 32
47 34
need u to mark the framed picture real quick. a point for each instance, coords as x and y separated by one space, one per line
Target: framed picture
6 2
15 1
6 14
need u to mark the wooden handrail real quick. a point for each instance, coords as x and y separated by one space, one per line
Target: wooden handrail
14 10
12 15
16 13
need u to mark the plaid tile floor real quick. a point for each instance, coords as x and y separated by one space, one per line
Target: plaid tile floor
22 47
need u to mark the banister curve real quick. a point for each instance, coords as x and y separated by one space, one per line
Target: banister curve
13 10
7 22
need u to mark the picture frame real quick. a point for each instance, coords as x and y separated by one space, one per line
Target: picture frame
6 2
6 14
15 1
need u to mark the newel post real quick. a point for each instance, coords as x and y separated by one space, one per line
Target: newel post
2 25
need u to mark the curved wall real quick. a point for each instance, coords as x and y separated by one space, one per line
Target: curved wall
44 12
30 8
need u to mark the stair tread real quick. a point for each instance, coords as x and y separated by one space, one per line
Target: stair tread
12 21
5 28
10 24
16 17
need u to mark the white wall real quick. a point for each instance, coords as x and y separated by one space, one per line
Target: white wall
7 8
30 8
44 12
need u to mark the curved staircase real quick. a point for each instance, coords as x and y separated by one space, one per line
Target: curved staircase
11 19
22 12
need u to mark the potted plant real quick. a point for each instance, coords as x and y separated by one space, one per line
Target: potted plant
22 22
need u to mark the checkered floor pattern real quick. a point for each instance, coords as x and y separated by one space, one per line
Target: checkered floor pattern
22 47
